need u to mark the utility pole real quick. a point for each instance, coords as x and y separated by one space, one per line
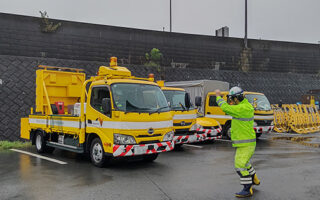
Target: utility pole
170 16
246 25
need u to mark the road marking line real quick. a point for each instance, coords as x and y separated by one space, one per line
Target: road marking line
39 156
190 145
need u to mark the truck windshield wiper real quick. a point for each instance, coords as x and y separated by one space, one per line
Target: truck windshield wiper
158 110
182 106
134 108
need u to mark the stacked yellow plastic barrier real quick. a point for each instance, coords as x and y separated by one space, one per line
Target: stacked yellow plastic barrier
303 118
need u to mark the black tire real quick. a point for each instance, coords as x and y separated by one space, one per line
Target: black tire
226 131
39 142
258 135
97 154
150 157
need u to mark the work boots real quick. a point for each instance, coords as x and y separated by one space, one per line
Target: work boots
246 191
255 180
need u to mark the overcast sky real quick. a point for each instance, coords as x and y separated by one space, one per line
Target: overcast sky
286 20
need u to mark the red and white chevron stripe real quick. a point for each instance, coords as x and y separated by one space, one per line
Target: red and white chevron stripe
141 149
213 137
211 134
263 129
210 131
183 139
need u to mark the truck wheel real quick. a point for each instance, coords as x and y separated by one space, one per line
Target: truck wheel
258 135
150 157
39 142
227 131
97 155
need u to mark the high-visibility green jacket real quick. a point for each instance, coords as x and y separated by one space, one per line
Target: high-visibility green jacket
242 133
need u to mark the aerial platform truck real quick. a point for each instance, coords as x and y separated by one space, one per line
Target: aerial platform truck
112 114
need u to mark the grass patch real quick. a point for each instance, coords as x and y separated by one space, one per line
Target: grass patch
17 144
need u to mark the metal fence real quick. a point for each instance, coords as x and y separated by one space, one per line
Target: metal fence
17 84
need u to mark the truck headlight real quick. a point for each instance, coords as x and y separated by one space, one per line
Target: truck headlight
255 124
123 139
168 136
194 127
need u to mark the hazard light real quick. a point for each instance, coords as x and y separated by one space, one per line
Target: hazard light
151 77
113 62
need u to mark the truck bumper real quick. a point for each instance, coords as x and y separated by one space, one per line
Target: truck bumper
183 139
211 134
263 129
141 149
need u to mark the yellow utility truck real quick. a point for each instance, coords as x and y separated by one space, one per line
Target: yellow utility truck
184 114
204 91
113 114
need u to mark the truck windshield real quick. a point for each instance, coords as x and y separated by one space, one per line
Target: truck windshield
130 97
176 99
261 101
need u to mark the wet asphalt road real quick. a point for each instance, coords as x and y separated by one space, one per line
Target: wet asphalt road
287 171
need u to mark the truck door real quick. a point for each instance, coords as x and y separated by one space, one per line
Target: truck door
97 120
212 109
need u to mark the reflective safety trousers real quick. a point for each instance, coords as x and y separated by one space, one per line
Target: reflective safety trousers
242 164
242 133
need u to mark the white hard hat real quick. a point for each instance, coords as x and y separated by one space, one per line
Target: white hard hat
235 91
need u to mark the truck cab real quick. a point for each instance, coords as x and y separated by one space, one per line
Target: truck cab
188 127
263 113
113 114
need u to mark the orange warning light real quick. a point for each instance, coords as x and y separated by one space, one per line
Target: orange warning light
151 75
113 61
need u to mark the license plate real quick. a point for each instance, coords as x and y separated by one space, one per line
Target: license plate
140 150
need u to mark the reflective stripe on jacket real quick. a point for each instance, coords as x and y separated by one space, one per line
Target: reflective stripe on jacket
242 133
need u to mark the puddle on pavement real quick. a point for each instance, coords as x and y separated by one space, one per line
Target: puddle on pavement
306 141
92 179
82 175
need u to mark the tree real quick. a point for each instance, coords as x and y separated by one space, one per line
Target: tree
153 58
46 25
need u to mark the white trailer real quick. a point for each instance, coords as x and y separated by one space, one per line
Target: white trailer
200 88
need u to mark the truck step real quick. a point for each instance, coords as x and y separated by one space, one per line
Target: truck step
65 147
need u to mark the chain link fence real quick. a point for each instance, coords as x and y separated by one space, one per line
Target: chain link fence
17 84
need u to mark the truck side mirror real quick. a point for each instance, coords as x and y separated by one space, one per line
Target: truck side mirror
198 101
187 100
106 105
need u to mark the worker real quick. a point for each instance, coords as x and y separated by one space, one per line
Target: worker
243 137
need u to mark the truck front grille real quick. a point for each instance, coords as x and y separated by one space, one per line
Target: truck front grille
142 136
182 124
263 122
149 142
